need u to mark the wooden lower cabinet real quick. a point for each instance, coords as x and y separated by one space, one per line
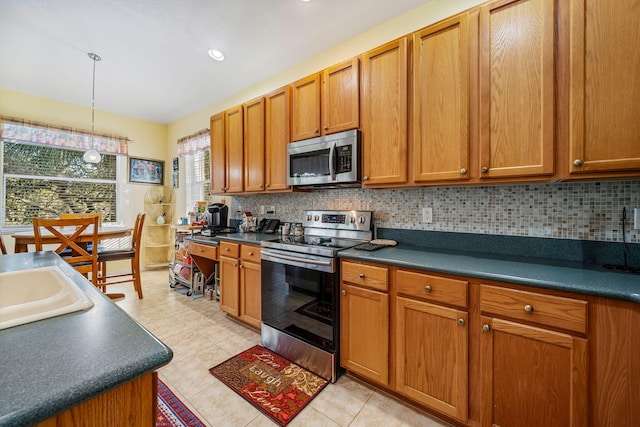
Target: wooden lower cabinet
431 355
364 339
240 282
532 376
131 404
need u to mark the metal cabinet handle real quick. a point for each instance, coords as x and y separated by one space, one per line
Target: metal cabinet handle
484 169
361 275
344 292
427 288
486 328
461 322
463 171
577 162
528 308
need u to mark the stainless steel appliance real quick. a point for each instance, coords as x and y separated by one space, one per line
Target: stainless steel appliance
330 160
300 286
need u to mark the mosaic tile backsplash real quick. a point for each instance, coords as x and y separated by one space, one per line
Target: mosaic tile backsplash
579 211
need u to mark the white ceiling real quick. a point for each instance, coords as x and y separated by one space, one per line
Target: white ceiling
154 52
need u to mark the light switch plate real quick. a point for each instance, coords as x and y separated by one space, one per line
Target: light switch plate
427 215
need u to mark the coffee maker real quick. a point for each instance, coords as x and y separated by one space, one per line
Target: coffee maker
217 215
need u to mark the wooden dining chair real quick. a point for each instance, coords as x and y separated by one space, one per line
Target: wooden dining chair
81 215
132 254
70 246
3 248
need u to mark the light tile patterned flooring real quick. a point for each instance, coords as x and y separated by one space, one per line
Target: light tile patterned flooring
201 337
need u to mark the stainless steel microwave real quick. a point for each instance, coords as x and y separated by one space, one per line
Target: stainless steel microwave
330 160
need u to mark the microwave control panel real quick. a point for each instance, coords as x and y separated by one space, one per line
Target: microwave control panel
344 158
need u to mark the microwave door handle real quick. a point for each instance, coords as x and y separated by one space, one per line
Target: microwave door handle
332 161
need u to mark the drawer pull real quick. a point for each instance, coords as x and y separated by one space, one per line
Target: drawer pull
427 288
461 322
226 249
344 292
486 328
528 308
361 275
250 253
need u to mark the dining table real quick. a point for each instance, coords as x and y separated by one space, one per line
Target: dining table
24 238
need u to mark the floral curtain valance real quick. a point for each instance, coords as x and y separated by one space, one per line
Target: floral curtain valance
194 143
43 134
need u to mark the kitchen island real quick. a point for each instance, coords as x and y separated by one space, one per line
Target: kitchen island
53 365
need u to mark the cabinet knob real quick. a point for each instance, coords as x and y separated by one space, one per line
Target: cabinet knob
361 275
260 186
486 328
461 322
226 249
267 185
235 265
241 267
344 292
326 127
316 130
365 178
463 171
250 253
484 169
427 288
528 308
577 162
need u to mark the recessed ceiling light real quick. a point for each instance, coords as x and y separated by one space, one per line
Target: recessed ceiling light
216 54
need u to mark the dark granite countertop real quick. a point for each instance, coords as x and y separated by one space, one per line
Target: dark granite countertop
51 365
568 276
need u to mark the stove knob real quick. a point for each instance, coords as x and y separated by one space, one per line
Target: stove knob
316 218
308 217
361 220
353 219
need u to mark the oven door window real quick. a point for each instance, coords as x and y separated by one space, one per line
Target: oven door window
311 164
300 302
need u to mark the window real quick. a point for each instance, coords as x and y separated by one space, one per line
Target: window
197 178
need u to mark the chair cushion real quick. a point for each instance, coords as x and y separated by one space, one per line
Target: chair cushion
115 254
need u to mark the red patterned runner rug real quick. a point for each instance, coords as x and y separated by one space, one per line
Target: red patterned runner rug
172 412
273 384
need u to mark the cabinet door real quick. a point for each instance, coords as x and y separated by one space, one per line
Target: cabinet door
340 97
441 101
384 114
364 332
531 376
306 108
277 136
254 145
604 90
218 154
517 48
431 356
230 285
250 294
234 147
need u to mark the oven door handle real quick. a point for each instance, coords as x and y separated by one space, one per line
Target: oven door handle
296 259
332 161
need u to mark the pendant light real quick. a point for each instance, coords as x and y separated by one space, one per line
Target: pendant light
92 155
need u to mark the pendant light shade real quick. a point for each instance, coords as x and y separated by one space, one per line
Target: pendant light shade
92 155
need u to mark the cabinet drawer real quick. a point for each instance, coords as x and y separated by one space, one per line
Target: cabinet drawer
548 310
250 253
365 275
230 249
204 251
432 288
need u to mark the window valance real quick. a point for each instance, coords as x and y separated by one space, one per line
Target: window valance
194 143
30 132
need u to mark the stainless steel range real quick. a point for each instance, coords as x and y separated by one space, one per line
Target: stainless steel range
300 285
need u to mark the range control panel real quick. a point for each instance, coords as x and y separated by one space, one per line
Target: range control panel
342 220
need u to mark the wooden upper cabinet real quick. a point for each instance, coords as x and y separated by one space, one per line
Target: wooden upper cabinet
517 96
254 145
306 108
441 133
604 94
341 97
234 146
384 114
218 154
277 136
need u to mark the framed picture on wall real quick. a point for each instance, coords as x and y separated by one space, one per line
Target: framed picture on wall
146 171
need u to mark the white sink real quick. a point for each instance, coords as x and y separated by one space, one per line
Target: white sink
36 294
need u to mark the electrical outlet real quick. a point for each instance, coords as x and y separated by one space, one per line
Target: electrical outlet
427 215
261 209
239 209
636 218
272 210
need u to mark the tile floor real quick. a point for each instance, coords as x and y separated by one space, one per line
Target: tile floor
201 337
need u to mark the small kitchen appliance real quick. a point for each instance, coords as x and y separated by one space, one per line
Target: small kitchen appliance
216 215
300 286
